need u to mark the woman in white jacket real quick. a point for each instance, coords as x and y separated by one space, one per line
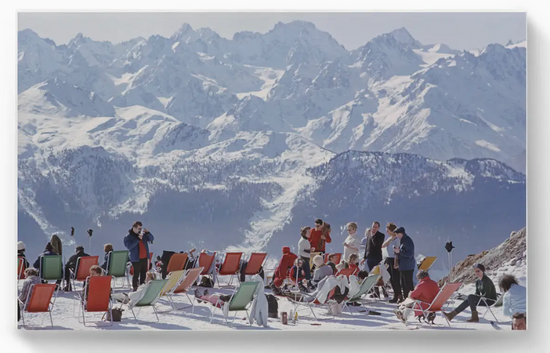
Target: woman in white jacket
514 299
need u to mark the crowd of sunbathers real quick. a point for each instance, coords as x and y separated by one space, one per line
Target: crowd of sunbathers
391 256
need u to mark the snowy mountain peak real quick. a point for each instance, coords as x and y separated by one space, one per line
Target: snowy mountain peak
403 36
185 33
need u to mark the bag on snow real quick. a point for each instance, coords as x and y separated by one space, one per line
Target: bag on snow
206 282
117 314
272 306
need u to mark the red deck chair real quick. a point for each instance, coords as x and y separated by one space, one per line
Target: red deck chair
148 264
39 300
437 304
255 263
176 263
337 259
205 261
82 269
99 297
20 268
184 287
230 266
347 272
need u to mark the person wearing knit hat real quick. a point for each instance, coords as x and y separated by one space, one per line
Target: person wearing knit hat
21 255
322 270
48 251
484 289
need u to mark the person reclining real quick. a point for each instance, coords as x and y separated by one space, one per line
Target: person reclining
322 270
132 298
220 299
281 272
425 291
107 248
484 288
298 274
94 271
31 278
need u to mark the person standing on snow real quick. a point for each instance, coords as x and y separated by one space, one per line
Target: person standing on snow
406 261
352 242
393 266
137 242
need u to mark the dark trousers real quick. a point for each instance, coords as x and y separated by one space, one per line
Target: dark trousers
407 282
67 277
472 303
372 263
395 277
306 268
140 271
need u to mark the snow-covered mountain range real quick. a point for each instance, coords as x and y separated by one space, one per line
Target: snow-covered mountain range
216 142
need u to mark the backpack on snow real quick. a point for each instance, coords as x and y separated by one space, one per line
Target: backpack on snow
272 306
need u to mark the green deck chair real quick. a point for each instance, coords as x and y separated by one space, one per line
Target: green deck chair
116 265
152 293
366 286
51 268
239 301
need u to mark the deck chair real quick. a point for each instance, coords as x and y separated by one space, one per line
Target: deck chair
437 304
487 307
313 254
310 304
231 266
174 279
427 263
51 268
98 293
240 300
189 278
82 268
337 259
116 266
39 300
20 268
176 263
206 261
367 284
255 263
347 272
152 293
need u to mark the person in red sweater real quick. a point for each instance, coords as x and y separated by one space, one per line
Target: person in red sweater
353 262
425 291
319 236
281 272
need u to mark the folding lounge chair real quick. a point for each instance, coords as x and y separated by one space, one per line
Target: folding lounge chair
20 268
427 263
310 304
117 266
206 261
231 266
367 284
82 269
152 293
255 263
347 272
487 307
51 268
176 263
240 300
437 304
336 260
189 278
39 300
98 293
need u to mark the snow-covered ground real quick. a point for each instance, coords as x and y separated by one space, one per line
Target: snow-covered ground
64 319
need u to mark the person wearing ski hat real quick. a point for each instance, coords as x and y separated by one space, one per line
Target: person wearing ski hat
281 272
405 257
21 253
47 251
484 288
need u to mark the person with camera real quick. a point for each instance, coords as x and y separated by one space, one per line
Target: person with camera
405 260
137 242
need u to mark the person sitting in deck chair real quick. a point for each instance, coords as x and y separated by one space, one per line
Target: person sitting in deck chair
21 253
47 251
132 298
211 298
484 288
353 262
330 261
107 248
298 274
71 265
281 272
321 270
425 291
514 299
94 271
31 278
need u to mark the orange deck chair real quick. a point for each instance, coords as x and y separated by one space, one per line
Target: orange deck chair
82 269
337 259
20 268
39 300
437 304
184 287
99 297
230 266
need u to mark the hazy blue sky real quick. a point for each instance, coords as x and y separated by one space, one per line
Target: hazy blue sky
352 29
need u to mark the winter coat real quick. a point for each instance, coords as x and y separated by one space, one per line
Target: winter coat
56 244
105 261
286 263
425 291
45 253
373 250
73 259
315 237
27 285
297 274
21 254
486 288
514 300
406 258
259 311
351 240
322 272
304 248
131 242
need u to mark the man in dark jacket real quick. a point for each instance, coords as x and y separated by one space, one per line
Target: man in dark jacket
405 256
71 265
137 242
373 250
48 251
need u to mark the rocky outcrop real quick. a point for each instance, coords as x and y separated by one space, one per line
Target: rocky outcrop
510 253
